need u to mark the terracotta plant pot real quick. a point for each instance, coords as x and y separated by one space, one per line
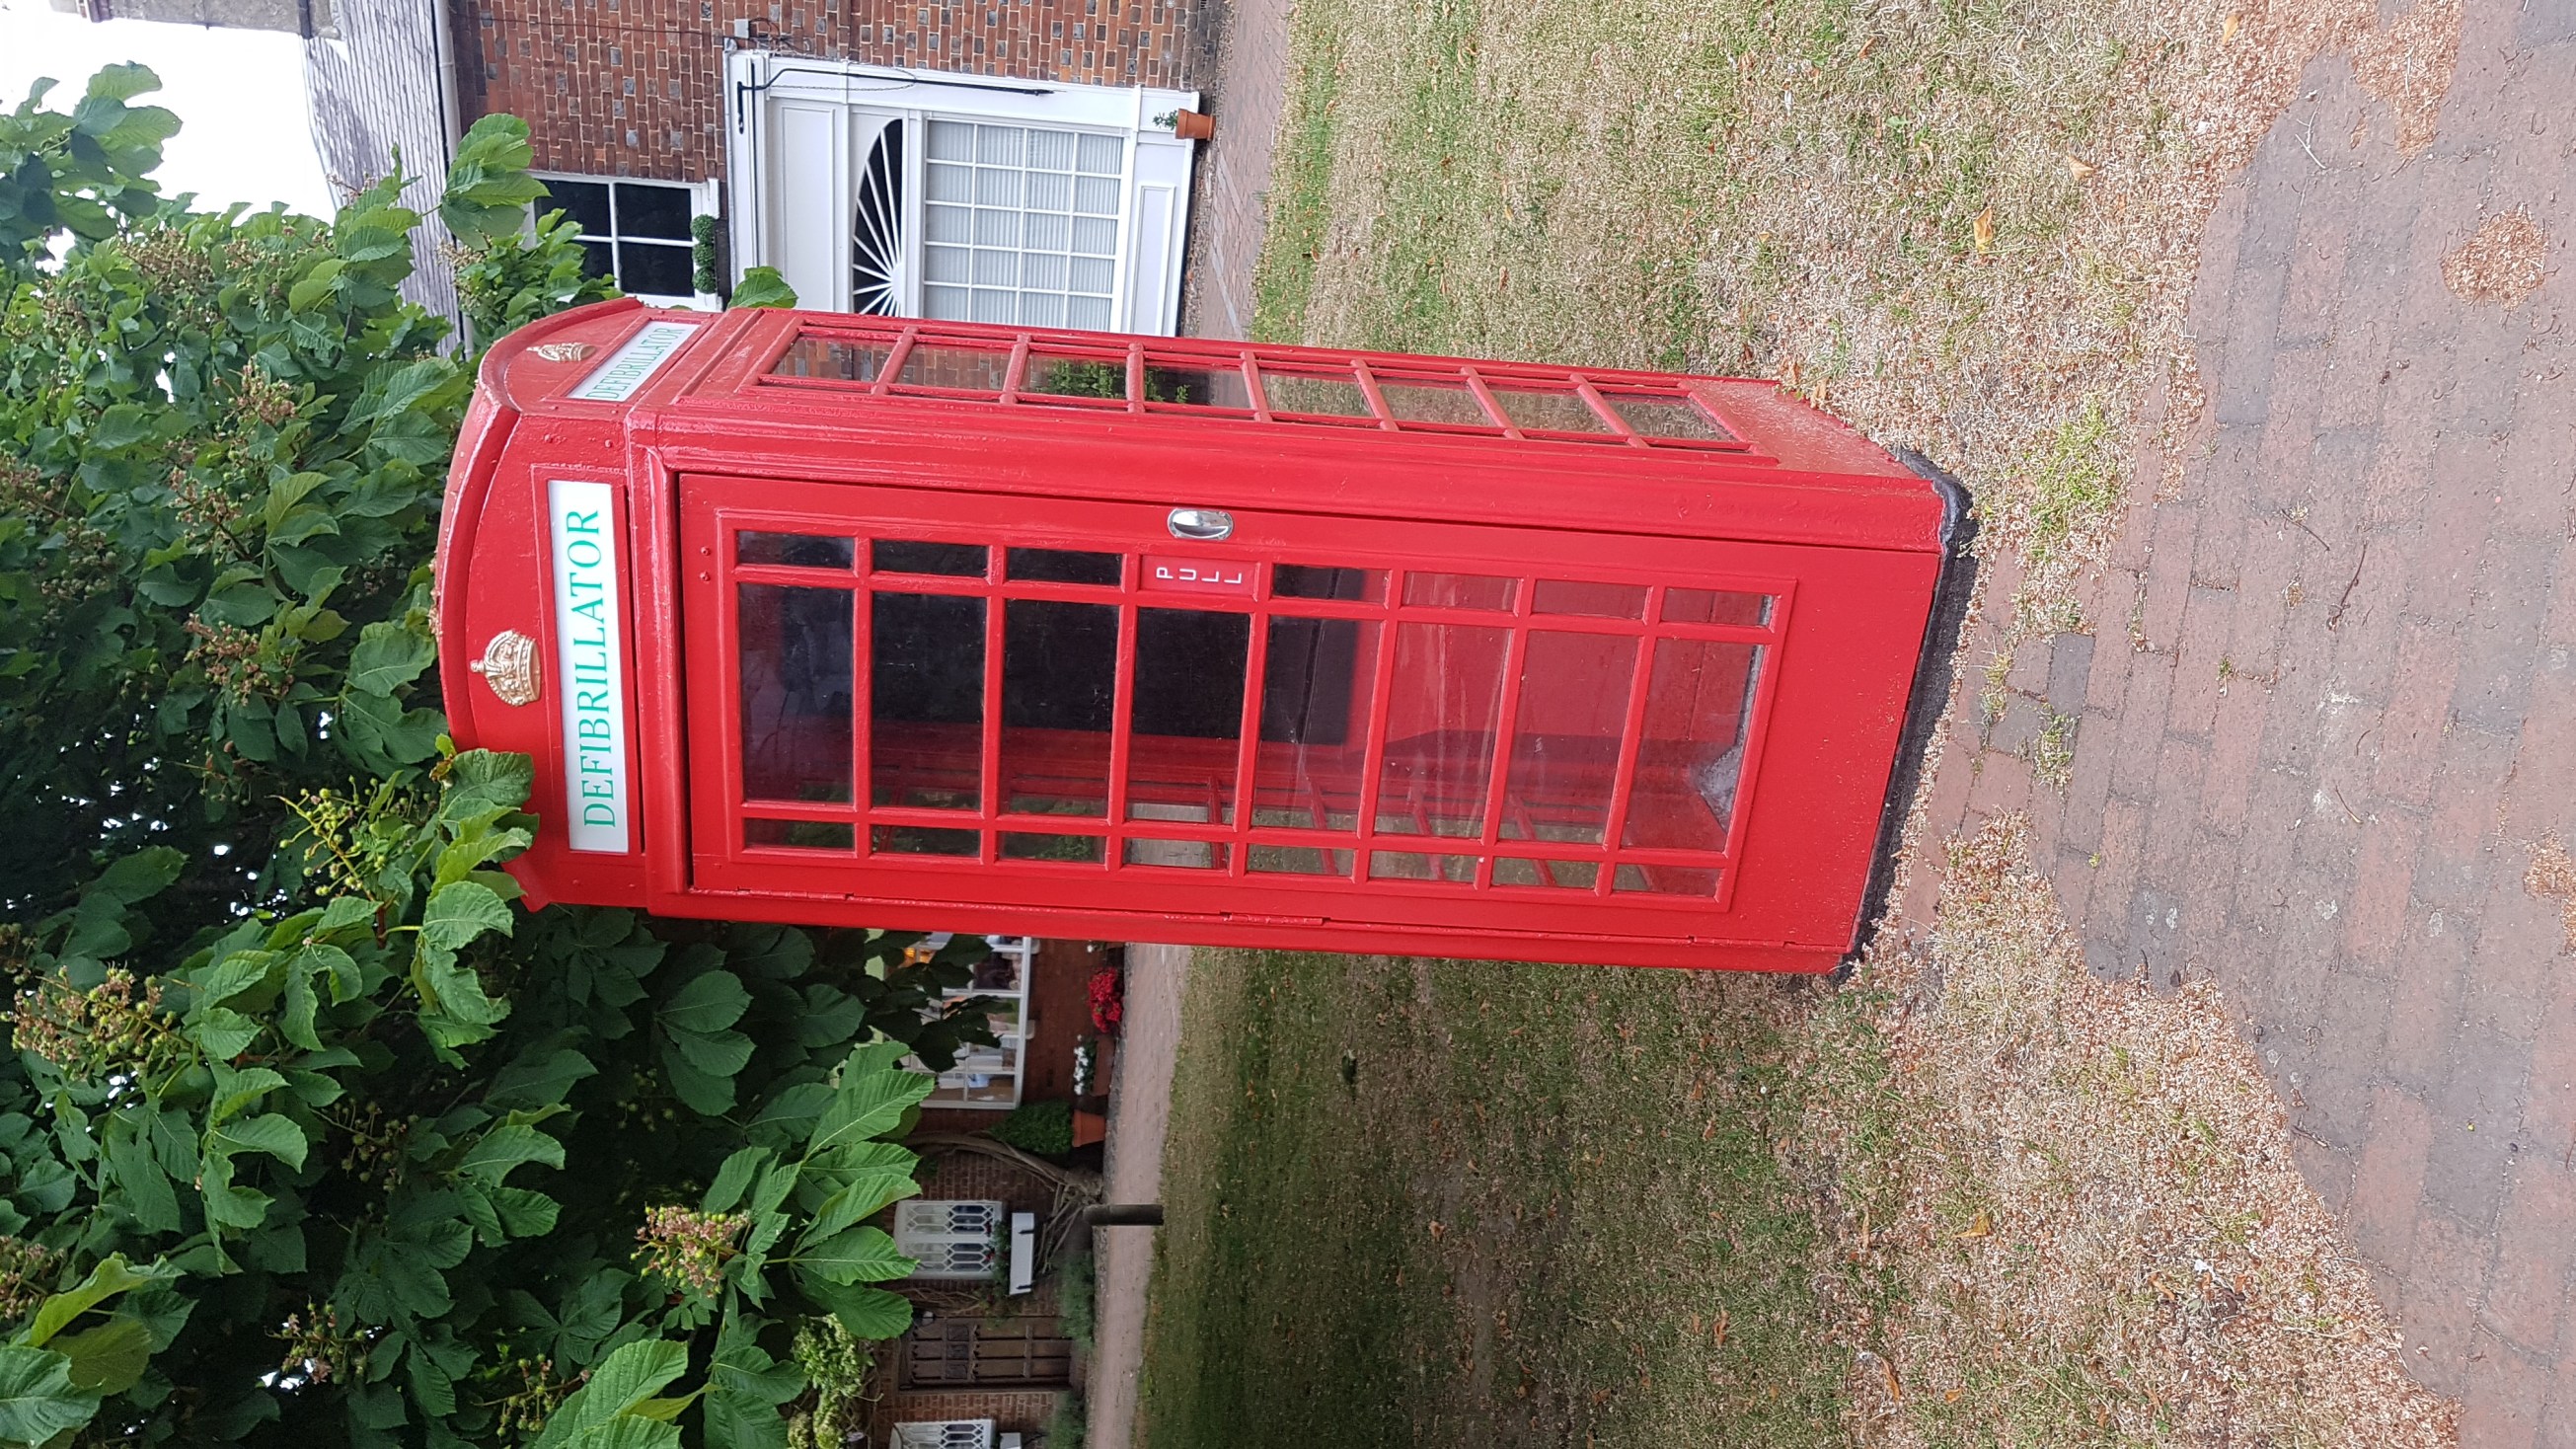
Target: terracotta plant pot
1193 126
1088 1128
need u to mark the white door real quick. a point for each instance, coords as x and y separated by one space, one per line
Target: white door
1046 205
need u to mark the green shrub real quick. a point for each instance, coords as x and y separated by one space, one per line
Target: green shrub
1045 1128
1070 1424
1077 1300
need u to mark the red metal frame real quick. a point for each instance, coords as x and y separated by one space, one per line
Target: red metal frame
1775 499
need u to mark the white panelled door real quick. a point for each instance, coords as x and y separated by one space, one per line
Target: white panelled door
1047 205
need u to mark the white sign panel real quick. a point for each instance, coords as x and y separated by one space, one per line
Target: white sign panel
634 364
591 662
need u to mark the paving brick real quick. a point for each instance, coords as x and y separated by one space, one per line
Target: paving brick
2235 737
2536 490
2505 1391
2438 1307
2280 802
2070 664
2002 786
2138 733
2123 827
2312 302
2337 1086
2549 1118
2202 644
2459 834
2106 682
2263 606
2088 787
2424 1007
2389 1188
2419 707
2476 1114
2030 667
2375 917
2535 1247
2499 646
2520 954
2168 577
2544 766
2457 516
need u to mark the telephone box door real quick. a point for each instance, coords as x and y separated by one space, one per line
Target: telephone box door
918 695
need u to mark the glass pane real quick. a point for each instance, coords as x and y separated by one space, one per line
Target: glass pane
1305 581
1591 601
1675 418
1058 566
1001 970
644 209
599 259
920 840
1565 738
1188 714
905 556
1206 387
1665 880
974 369
1560 874
1446 699
1413 865
1072 849
1333 395
832 357
1314 690
1554 412
1458 591
1715 606
659 269
799 834
586 202
796 681
1698 712
793 550
1187 854
1094 377
1059 675
1296 860
1419 401
926 706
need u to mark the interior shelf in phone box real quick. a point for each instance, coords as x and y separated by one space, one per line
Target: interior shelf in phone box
855 620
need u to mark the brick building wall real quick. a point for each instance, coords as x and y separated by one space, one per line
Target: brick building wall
1017 1411
636 87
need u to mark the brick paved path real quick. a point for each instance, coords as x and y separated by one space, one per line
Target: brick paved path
2330 705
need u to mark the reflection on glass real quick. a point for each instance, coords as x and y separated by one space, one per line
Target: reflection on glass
1560 874
792 550
1698 713
1059 677
903 556
796 680
1675 418
926 701
1196 385
1187 714
1318 395
1565 738
1446 699
1071 849
1665 880
1422 400
799 834
1314 683
1307 581
1102 376
1179 854
971 369
1552 411
1296 860
921 840
1059 566
1588 600
1458 591
1413 865
833 358
1715 606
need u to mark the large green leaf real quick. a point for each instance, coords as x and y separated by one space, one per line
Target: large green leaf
110 1358
507 1146
105 1281
855 1255
623 1384
708 1004
37 1400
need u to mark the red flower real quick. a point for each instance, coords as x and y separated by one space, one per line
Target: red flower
1107 1009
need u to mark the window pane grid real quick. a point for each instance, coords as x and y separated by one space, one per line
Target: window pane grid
1638 798
1006 257
1020 225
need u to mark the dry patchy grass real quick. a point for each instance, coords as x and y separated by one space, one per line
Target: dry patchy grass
2501 262
2089 1205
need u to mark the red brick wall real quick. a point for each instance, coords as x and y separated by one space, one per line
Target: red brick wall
1022 1411
635 87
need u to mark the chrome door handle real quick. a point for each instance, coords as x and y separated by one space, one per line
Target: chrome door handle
1203 525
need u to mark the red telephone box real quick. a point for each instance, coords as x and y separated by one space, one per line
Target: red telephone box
852 620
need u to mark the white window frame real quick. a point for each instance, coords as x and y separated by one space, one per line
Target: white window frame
705 199
837 107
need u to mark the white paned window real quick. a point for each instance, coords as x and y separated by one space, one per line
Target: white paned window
635 233
1019 224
